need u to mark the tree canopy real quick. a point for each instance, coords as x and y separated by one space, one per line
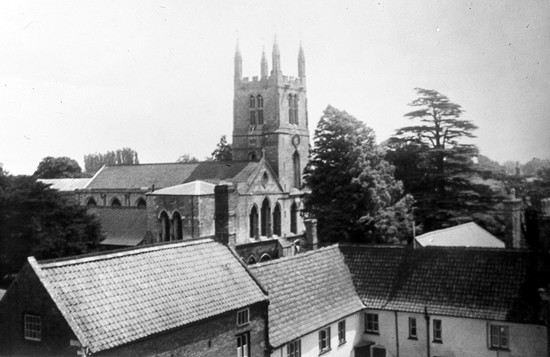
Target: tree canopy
224 151
438 168
124 156
36 220
187 159
354 195
58 167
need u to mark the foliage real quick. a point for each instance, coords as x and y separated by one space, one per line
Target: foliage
223 150
58 167
124 156
439 169
36 220
187 159
354 195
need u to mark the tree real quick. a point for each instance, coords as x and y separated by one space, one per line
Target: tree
438 168
223 150
124 156
36 220
354 195
187 159
58 167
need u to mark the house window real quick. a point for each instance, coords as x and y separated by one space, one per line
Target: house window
243 345
438 331
412 328
371 323
324 339
342 332
242 317
499 336
294 349
32 327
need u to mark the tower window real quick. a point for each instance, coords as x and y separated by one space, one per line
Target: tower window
260 109
293 109
296 169
252 110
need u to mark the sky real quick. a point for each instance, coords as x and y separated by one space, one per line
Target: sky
79 77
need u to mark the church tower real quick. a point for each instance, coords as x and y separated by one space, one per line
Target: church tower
270 118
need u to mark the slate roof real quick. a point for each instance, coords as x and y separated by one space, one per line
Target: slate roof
195 188
493 284
170 174
119 297
306 292
122 226
463 235
66 184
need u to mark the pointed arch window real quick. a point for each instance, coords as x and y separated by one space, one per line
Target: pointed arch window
260 109
165 227
266 219
253 222
91 202
252 110
115 202
141 203
297 170
294 218
176 223
277 220
293 109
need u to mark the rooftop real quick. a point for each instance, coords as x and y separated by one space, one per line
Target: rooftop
463 235
66 184
122 226
306 292
118 297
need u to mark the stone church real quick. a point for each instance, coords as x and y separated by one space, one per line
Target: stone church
253 202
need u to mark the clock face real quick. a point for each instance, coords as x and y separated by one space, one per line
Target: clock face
296 140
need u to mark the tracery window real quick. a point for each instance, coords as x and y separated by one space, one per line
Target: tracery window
252 110
260 109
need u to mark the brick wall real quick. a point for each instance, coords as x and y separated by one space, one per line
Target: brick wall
27 295
215 337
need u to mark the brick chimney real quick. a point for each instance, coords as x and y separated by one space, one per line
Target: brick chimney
311 233
224 222
513 212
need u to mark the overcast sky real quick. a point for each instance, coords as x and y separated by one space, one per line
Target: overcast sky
78 77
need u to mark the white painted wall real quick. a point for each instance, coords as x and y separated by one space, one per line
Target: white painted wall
461 337
310 342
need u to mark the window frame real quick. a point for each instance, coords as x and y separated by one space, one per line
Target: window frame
413 328
437 330
341 332
324 342
243 349
252 110
243 317
502 331
31 329
372 320
294 348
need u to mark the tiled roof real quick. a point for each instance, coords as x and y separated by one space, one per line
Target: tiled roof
495 284
195 188
116 298
170 174
141 176
66 184
123 226
216 171
463 235
306 292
